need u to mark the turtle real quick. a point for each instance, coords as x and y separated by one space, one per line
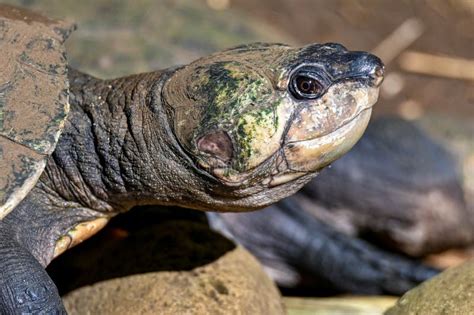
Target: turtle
396 196
368 219
236 130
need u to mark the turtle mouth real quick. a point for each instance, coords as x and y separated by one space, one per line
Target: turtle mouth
298 158
341 128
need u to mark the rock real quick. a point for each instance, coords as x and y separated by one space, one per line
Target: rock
451 292
157 260
234 284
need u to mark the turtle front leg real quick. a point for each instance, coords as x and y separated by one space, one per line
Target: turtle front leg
25 287
302 253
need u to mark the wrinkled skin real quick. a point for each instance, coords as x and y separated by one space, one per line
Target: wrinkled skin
397 190
223 133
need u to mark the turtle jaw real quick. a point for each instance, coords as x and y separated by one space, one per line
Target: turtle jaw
326 130
314 154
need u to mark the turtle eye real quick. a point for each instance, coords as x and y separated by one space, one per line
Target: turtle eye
303 86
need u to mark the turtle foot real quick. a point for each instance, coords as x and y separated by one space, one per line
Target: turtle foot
25 287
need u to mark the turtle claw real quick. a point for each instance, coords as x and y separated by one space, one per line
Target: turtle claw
25 287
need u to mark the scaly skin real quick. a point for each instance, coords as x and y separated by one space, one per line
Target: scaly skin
198 136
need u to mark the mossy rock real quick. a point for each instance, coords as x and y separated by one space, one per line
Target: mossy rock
451 292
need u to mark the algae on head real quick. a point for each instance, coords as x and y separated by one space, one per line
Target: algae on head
240 101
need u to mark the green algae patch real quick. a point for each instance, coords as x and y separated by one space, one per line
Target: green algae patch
254 129
240 101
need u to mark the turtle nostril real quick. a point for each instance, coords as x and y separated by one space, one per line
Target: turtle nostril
366 65
378 74
379 71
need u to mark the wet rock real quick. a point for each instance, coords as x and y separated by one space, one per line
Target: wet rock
451 292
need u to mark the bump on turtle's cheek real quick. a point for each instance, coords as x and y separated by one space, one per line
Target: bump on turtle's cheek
217 144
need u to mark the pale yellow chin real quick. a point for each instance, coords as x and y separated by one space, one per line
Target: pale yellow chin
314 154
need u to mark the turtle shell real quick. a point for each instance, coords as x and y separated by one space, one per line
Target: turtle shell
33 98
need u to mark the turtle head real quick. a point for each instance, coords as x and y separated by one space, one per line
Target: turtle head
266 115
